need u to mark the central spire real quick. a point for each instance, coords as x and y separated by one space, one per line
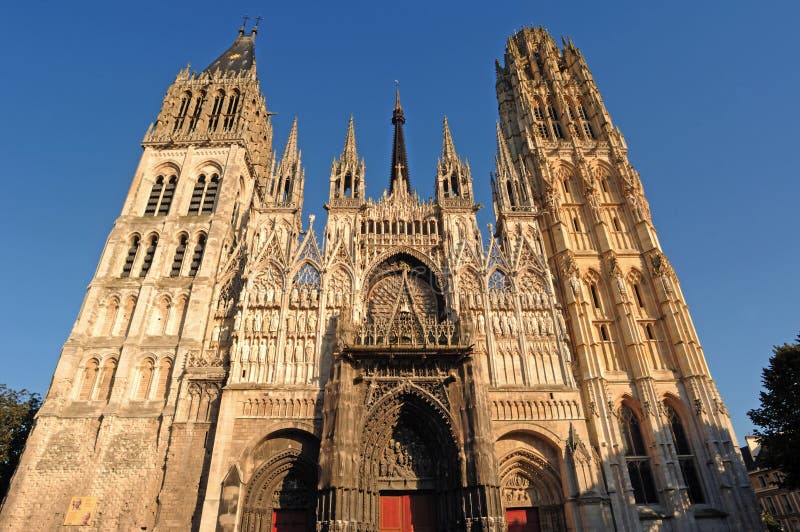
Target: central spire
399 181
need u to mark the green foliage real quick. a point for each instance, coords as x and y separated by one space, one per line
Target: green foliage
770 522
779 414
17 410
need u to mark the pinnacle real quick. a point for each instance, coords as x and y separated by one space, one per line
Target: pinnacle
503 159
350 153
291 143
448 147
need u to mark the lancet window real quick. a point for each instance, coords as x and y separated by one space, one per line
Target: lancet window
161 196
197 255
130 257
216 111
148 255
232 111
183 110
180 253
204 195
146 371
640 469
685 456
198 108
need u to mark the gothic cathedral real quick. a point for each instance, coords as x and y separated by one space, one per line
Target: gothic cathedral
234 369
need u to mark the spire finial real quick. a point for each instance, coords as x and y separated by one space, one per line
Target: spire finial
255 28
290 152
245 18
397 115
399 180
448 147
349 152
397 96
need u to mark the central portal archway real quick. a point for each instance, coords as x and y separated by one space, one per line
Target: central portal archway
410 463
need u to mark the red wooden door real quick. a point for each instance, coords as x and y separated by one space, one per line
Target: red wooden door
523 519
408 512
289 521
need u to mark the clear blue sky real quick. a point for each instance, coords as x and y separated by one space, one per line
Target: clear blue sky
705 93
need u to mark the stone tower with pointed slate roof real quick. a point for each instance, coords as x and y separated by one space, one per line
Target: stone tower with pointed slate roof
231 371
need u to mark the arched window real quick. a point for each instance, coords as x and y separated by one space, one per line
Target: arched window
197 255
124 319
164 373
553 115
161 196
112 309
146 371
197 195
604 333
160 317
155 196
210 200
130 257
182 111
637 292
510 191
204 195
595 298
639 468
106 380
233 109
90 370
175 319
166 197
180 252
348 183
454 188
585 123
216 110
148 255
685 457
198 108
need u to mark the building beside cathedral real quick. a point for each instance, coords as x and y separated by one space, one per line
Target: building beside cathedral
233 368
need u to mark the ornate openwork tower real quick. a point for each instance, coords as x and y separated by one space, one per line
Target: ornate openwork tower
663 435
231 371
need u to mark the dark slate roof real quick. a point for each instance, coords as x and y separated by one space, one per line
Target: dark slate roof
240 56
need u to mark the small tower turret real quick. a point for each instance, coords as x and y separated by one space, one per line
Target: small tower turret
285 187
347 174
453 179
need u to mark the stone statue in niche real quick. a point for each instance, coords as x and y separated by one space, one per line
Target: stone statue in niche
270 296
245 352
312 322
295 296
301 322
496 324
274 321
290 323
257 321
504 325
481 324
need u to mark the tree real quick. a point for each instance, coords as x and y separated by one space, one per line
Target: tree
779 414
17 410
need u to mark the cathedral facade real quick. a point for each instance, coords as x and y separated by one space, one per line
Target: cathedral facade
233 368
